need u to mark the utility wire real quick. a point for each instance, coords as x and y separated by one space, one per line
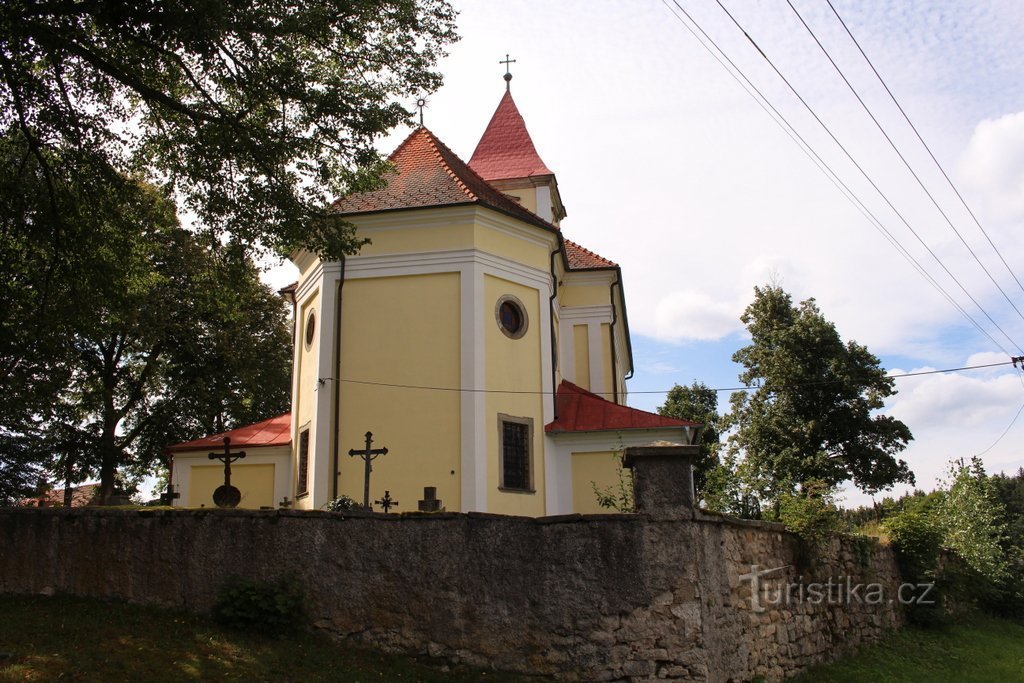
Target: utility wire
780 120
906 163
925 144
461 390
867 177
1005 431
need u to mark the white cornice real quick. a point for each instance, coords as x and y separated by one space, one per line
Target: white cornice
602 312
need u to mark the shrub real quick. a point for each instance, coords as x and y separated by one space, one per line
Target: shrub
341 504
261 606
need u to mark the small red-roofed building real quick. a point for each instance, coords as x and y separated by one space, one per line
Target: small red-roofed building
483 349
263 477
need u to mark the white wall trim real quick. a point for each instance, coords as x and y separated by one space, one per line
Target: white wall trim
321 437
278 456
602 312
473 456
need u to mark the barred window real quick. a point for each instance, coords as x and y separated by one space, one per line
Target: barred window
516 453
303 484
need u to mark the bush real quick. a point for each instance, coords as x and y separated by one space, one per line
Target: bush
261 606
341 504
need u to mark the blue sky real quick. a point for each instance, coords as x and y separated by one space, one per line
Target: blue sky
669 168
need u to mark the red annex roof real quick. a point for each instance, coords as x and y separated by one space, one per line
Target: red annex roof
277 431
426 174
579 410
506 150
584 259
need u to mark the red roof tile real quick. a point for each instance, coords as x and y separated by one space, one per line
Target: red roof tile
506 150
584 259
277 431
581 411
81 496
426 174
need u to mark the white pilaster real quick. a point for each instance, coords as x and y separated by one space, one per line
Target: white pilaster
473 476
323 423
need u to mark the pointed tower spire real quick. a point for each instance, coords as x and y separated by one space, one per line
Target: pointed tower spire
506 158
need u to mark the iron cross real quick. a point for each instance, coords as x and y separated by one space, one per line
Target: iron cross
508 71
368 454
387 502
227 496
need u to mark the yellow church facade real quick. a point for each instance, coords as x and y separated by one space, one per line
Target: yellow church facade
485 351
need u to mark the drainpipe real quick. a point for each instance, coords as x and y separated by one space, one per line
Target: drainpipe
336 403
551 324
611 332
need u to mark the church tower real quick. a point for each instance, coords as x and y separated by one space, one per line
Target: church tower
506 158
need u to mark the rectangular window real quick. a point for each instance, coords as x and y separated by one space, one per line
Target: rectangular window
303 484
516 440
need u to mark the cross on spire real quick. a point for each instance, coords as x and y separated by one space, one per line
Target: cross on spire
508 72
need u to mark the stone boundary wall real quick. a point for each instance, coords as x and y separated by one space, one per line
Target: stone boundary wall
597 597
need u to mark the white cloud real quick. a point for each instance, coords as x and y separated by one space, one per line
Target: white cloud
690 314
993 165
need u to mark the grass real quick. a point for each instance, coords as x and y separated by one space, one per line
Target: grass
974 649
78 639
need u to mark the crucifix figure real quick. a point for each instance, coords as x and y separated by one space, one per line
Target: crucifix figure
508 72
226 495
368 455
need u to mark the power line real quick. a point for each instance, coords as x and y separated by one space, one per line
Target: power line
1005 431
461 390
903 158
780 120
925 144
863 172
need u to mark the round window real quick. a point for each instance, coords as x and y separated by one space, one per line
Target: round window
310 328
511 316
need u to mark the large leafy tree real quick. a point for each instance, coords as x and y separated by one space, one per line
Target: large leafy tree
699 403
255 111
150 334
813 412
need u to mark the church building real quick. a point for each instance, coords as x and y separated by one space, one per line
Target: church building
483 349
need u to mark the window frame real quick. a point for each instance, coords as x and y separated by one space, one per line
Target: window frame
521 308
529 456
302 468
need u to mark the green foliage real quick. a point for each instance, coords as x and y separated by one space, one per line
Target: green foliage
810 513
342 504
813 414
973 519
143 336
618 496
697 403
270 607
916 536
253 111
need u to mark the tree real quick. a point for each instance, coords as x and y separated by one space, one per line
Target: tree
812 414
698 403
974 519
150 334
254 111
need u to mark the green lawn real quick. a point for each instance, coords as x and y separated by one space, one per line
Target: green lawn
971 649
76 639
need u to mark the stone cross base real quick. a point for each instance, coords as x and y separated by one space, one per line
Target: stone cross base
662 478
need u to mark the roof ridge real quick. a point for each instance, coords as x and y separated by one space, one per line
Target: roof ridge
436 143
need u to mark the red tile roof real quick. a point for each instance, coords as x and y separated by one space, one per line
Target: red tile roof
81 496
429 174
426 174
277 431
584 259
579 410
506 150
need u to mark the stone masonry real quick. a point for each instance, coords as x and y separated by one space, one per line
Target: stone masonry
595 597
